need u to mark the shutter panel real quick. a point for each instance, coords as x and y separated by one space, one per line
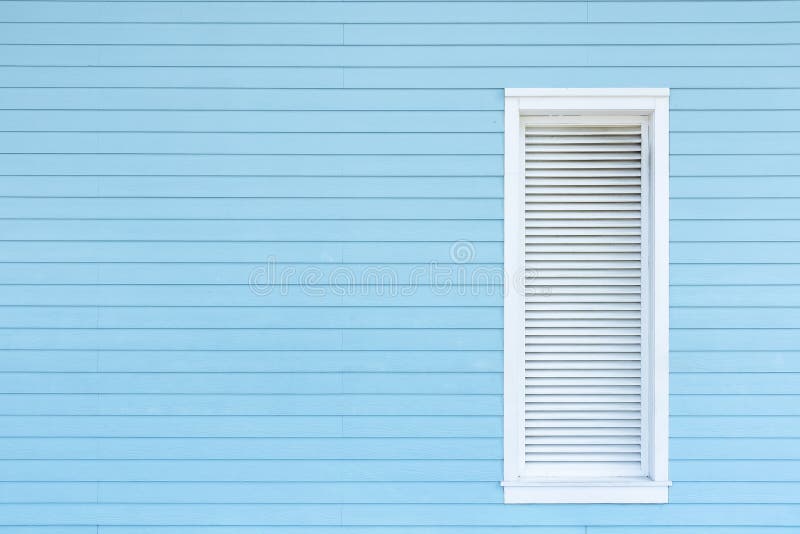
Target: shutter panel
585 215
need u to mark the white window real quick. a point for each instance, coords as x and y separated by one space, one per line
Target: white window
586 303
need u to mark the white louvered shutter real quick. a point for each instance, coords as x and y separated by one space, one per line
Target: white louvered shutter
586 265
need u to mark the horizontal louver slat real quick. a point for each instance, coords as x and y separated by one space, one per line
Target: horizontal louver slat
541 363
540 389
583 261
581 441
569 357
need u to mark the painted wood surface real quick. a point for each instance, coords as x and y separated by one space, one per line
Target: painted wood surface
158 158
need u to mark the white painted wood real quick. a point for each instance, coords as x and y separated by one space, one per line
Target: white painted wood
550 143
659 331
514 299
593 93
585 339
613 492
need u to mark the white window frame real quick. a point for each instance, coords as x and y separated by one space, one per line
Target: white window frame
654 487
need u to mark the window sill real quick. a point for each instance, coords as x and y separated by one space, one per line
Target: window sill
635 490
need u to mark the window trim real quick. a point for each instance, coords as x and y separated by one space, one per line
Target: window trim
653 488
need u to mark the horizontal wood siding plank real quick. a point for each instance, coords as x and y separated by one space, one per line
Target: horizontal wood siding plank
274 231
78 33
197 98
251 448
252 470
750 77
352 426
240 273
553 514
246 120
400 165
263 405
250 382
347 404
735 361
262 529
242 295
671 11
759 448
256 208
685 274
362 492
298 12
49 529
278 317
689 530
291 361
258 426
211 251
519 33
331 99
254 187
481 77
344 492
656 55
746 252
257 143
741 186
261 144
734 383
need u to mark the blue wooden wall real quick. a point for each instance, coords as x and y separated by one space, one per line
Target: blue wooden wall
155 155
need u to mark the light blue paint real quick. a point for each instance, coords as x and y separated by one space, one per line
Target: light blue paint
154 155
